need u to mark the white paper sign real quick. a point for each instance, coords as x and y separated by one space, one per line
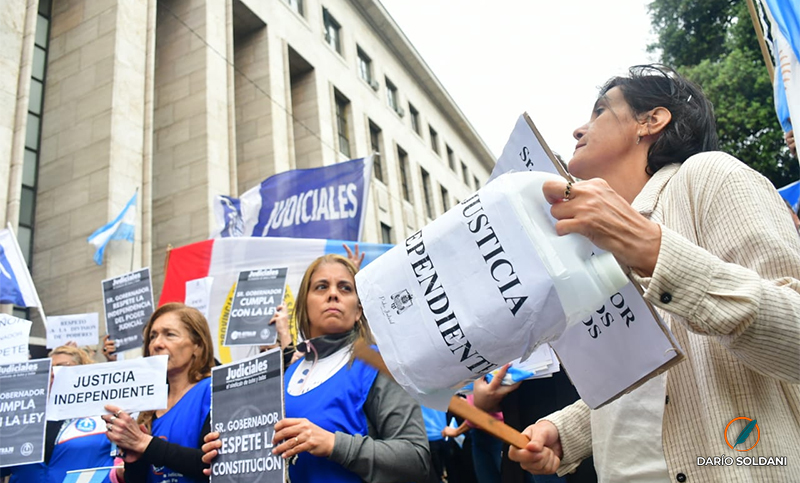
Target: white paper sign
524 151
14 335
614 348
198 294
80 328
83 391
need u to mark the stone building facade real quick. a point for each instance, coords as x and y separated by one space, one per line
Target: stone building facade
187 99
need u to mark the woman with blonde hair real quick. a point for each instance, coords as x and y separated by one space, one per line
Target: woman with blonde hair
344 421
164 445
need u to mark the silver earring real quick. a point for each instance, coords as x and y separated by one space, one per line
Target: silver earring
638 138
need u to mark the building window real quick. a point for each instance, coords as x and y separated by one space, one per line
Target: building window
402 159
375 145
332 31
477 183
414 118
445 199
386 233
342 105
30 161
434 139
296 5
465 173
426 191
392 98
365 68
451 157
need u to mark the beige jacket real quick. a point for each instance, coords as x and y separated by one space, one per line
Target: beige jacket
726 282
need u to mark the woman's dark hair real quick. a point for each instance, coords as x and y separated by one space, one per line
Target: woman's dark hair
692 129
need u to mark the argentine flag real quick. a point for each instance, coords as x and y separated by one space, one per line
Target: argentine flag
16 285
121 228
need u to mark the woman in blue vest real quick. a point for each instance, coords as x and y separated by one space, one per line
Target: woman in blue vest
73 444
164 446
344 421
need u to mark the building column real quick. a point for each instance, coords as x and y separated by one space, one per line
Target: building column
191 155
91 150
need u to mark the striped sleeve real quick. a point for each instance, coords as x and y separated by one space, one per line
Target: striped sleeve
746 293
575 433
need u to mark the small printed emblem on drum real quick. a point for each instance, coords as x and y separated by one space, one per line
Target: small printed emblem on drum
401 301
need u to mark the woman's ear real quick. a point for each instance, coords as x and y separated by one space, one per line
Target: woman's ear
657 119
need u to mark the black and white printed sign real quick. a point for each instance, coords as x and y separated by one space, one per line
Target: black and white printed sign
246 402
14 335
83 391
128 302
258 293
80 328
23 401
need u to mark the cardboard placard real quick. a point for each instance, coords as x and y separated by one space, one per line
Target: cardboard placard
246 402
128 301
23 400
258 293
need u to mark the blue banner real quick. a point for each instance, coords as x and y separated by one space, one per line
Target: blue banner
327 202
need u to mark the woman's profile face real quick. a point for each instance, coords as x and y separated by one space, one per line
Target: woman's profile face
332 303
607 140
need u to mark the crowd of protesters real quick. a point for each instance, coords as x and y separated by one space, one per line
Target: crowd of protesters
708 239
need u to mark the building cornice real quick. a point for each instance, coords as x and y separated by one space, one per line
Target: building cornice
387 29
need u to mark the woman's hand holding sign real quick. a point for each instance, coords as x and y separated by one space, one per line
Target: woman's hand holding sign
296 435
126 433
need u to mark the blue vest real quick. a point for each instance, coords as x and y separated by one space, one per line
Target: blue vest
182 425
81 444
335 405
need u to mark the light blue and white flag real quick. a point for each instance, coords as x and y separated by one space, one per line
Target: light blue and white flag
784 18
122 227
791 193
94 475
323 203
16 284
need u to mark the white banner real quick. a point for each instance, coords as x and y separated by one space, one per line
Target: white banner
83 391
80 328
14 335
